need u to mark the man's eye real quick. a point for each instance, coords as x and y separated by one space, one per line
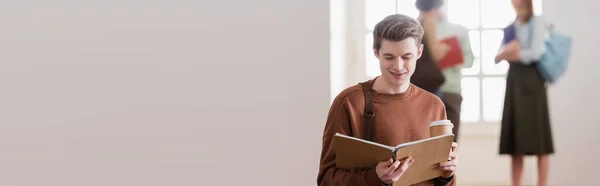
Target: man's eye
389 58
406 57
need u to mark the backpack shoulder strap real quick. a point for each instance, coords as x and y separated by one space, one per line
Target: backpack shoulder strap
368 114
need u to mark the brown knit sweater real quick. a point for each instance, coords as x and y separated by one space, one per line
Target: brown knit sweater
399 118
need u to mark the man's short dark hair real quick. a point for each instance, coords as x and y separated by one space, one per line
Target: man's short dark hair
427 5
396 27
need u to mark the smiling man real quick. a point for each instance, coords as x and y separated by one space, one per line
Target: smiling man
402 111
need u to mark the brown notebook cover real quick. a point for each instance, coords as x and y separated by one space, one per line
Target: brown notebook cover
427 153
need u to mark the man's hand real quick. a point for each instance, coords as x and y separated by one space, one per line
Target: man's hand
389 171
450 166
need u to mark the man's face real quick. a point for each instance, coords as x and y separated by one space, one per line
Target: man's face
397 60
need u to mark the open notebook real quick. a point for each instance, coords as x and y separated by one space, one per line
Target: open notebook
427 153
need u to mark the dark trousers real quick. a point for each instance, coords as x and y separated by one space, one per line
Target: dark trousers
453 103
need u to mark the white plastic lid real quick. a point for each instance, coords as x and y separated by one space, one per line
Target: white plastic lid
441 122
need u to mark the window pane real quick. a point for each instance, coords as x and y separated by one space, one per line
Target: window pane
464 12
471 99
475 42
537 7
474 70
376 10
407 7
371 62
476 49
491 40
496 13
493 98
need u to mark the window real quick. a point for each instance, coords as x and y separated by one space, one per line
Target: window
483 84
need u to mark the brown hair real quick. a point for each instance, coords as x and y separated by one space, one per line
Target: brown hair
396 27
528 5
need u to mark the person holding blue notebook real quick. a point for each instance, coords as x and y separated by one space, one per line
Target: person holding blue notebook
525 120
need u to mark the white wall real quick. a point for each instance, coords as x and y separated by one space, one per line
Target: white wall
574 101
338 54
132 92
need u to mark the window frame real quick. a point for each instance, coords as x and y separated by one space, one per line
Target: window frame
358 29
481 75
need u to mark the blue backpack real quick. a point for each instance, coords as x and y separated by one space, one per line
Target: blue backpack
556 55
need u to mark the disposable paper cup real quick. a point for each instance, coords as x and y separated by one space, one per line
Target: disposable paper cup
440 127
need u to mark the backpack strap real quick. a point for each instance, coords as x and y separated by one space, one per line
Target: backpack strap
368 114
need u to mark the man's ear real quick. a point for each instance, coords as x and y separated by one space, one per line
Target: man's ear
376 52
420 51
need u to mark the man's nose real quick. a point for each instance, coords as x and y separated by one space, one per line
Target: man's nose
399 63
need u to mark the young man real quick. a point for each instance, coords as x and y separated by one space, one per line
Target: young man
438 27
403 111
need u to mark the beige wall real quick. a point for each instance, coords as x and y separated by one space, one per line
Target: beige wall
183 93
574 100
154 93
